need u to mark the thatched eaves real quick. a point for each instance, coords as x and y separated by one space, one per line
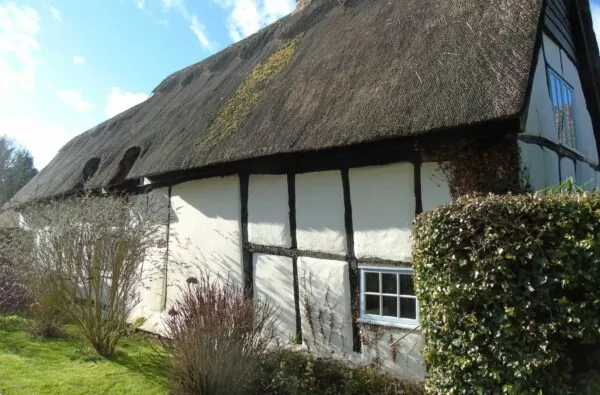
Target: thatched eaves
325 76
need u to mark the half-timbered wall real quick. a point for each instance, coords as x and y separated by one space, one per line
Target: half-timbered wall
558 23
298 240
545 160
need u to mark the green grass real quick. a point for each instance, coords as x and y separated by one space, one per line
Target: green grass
67 366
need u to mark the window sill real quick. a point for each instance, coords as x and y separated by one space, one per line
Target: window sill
398 325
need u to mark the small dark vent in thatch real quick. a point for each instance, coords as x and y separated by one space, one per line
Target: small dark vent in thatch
129 158
90 168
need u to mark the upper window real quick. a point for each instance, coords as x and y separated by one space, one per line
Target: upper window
387 297
561 94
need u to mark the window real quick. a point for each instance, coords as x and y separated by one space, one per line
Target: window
561 94
387 297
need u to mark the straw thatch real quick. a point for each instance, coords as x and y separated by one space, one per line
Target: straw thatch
325 76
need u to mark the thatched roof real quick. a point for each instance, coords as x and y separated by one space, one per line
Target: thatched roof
325 76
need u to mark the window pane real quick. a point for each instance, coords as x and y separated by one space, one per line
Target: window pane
372 304
389 283
390 306
372 282
562 101
555 91
407 286
408 308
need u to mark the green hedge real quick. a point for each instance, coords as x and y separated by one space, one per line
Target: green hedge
509 291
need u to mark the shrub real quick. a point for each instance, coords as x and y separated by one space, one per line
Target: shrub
84 264
216 337
13 293
509 290
45 311
289 372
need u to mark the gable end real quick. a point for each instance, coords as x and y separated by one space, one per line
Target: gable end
558 24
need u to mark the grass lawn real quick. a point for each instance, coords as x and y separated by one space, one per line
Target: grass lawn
67 366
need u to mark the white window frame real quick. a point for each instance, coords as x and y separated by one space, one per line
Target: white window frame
379 319
567 92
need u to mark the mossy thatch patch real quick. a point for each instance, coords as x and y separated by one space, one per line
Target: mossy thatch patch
229 118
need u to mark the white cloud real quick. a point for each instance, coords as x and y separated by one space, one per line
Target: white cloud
177 5
43 139
195 26
56 13
78 60
248 16
74 99
200 32
19 48
119 101
595 7
19 26
140 4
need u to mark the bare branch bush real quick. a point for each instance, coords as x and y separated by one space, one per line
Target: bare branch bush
14 296
86 260
216 338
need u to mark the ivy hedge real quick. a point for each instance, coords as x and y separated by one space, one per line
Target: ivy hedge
509 291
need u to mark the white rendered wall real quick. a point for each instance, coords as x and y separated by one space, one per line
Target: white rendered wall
585 175
205 233
399 352
552 52
268 210
533 165
383 209
540 120
320 212
540 115
274 282
325 302
435 189
151 288
586 141
552 166
567 169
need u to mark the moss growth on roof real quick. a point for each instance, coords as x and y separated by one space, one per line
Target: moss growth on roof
239 106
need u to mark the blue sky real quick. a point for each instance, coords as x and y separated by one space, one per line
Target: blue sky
66 65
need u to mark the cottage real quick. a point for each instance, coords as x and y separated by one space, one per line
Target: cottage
296 160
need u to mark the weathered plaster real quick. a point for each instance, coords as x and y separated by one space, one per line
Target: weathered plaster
435 189
540 114
268 210
383 209
552 166
205 231
320 212
325 300
151 288
567 168
399 352
540 121
586 141
586 175
533 165
552 52
274 282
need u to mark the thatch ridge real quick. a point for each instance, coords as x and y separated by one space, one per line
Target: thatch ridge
366 71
